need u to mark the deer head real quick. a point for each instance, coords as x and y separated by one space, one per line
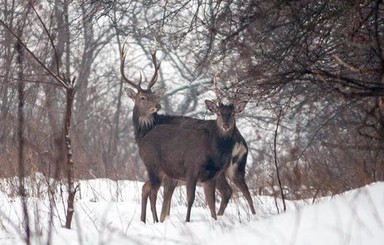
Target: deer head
146 101
225 113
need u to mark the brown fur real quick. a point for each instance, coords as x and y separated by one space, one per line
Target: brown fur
188 154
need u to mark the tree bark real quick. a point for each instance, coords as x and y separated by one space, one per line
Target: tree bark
70 94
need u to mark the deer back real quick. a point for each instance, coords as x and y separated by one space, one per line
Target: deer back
180 151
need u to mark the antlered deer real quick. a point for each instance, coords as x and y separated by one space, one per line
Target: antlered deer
145 117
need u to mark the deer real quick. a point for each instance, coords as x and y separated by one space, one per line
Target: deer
235 170
145 117
191 155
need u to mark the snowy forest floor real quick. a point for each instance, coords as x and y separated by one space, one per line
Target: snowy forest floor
108 212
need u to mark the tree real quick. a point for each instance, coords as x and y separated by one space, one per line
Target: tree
328 56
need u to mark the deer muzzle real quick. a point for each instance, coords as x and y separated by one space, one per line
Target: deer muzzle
156 108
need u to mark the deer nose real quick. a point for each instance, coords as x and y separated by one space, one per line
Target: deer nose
156 108
225 127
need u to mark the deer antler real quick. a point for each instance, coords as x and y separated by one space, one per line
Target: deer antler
217 90
122 62
239 92
156 64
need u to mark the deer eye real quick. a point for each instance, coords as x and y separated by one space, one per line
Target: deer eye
142 98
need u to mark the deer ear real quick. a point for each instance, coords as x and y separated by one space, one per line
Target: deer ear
211 106
131 93
240 106
160 92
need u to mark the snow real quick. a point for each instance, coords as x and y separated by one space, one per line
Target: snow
108 212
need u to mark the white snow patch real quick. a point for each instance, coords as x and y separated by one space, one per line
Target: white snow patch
108 212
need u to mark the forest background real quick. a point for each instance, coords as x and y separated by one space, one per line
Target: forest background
313 72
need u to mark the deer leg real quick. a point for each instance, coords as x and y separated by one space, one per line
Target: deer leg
238 178
146 189
225 192
239 181
174 185
150 190
153 198
169 185
209 191
191 187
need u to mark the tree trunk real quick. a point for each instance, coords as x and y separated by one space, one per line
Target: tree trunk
276 162
70 93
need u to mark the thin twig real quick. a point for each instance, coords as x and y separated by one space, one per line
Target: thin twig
55 76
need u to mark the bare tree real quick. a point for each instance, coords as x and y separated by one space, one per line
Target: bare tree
328 55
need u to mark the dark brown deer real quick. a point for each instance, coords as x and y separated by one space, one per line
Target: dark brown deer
145 118
235 171
189 154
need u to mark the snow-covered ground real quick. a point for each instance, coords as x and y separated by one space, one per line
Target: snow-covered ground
108 212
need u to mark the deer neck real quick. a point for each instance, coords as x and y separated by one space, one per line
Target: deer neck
223 140
143 123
